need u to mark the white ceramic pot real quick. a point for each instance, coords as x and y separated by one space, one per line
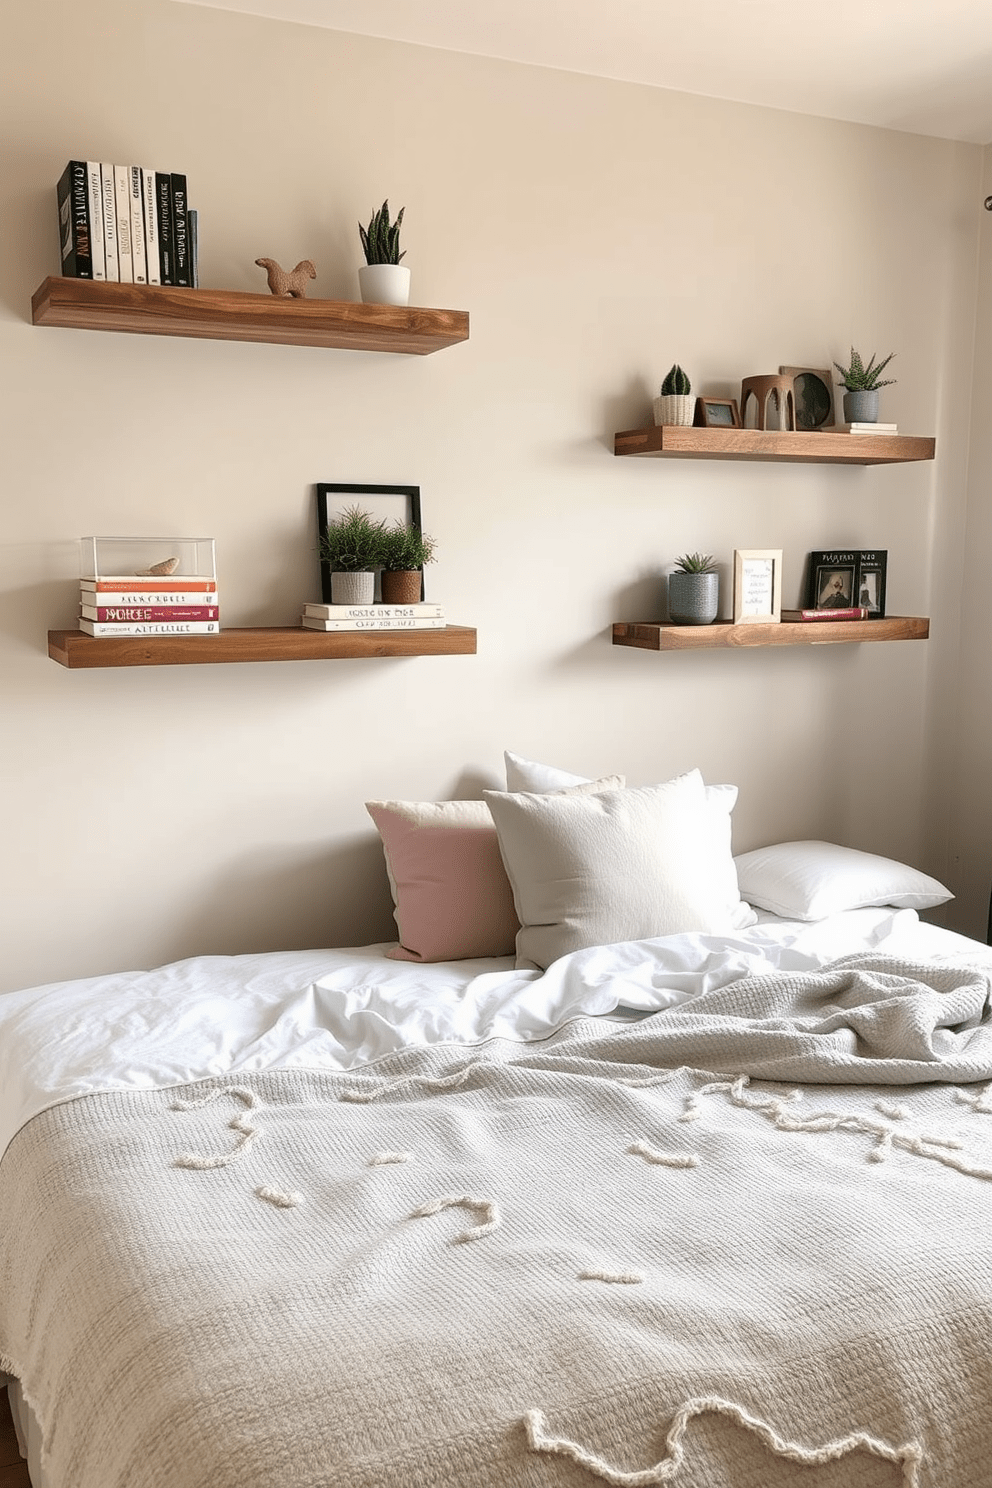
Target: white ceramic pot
384 284
674 408
352 588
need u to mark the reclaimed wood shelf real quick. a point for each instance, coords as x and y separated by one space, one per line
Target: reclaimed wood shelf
818 448
229 315
650 636
73 648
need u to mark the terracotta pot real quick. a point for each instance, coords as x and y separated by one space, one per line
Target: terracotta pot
401 586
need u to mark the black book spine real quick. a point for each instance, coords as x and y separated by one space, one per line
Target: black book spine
75 240
180 231
166 252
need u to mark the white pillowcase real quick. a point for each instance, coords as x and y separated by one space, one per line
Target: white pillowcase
811 880
528 775
615 865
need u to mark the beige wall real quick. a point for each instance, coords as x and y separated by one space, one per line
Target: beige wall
597 232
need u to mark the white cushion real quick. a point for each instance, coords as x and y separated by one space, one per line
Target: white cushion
811 880
613 865
528 775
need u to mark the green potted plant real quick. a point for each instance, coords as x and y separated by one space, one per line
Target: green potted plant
694 590
353 548
405 552
862 384
675 406
384 280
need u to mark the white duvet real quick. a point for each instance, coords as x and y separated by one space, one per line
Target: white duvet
336 1009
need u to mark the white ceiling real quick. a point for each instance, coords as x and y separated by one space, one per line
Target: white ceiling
915 65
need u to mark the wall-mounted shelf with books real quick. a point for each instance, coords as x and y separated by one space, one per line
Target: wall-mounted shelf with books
649 636
71 648
800 447
230 315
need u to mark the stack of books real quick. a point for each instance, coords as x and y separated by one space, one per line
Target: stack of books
149 605
373 617
127 224
864 429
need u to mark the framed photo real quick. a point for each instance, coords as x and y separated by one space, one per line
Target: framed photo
869 581
718 413
757 586
832 580
813 392
395 503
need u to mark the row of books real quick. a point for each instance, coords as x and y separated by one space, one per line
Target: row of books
127 224
373 617
149 606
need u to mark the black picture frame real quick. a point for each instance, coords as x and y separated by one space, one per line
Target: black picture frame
869 581
832 578
856 576
395 503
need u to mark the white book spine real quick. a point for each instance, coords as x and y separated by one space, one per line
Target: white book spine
424 623
373 611
94 197
109 221
150 627
90 597
151 226
137 224
122 199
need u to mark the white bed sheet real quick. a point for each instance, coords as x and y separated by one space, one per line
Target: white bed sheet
337 1009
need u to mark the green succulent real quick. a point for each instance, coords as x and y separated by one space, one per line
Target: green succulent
406 548
354 542
858 378
695 563
381 240
676 382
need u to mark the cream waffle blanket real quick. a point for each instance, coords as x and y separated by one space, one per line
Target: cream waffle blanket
576 1263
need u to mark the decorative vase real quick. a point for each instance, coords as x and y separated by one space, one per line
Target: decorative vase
401 586
352 588
861 406
384 284
675 408
693 598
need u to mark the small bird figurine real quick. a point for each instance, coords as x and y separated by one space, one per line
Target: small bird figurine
288 282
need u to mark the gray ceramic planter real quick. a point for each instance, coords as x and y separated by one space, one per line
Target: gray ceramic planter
693 598
861 407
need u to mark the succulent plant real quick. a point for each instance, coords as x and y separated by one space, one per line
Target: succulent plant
354 542
695 563
676 382
381 239
858 378
406 548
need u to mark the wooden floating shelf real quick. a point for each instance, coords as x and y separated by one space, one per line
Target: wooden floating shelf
73 648
649 636
686 443
228 315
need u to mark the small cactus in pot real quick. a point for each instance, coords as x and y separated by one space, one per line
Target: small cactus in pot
694 590
676 405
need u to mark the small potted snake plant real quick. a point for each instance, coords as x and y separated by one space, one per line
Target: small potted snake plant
861 383
383 279
694 590
676 405
405 552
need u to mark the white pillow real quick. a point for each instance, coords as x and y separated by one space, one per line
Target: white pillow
811 880
527 775
612 865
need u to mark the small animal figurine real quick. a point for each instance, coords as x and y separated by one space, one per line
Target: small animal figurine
291 283
159 570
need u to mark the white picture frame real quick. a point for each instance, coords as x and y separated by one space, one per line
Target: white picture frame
757 586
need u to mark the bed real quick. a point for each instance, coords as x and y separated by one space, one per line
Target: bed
708 1206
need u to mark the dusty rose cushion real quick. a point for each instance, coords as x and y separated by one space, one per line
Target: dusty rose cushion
452 896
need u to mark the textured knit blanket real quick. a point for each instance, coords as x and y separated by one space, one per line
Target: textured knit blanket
549 1266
